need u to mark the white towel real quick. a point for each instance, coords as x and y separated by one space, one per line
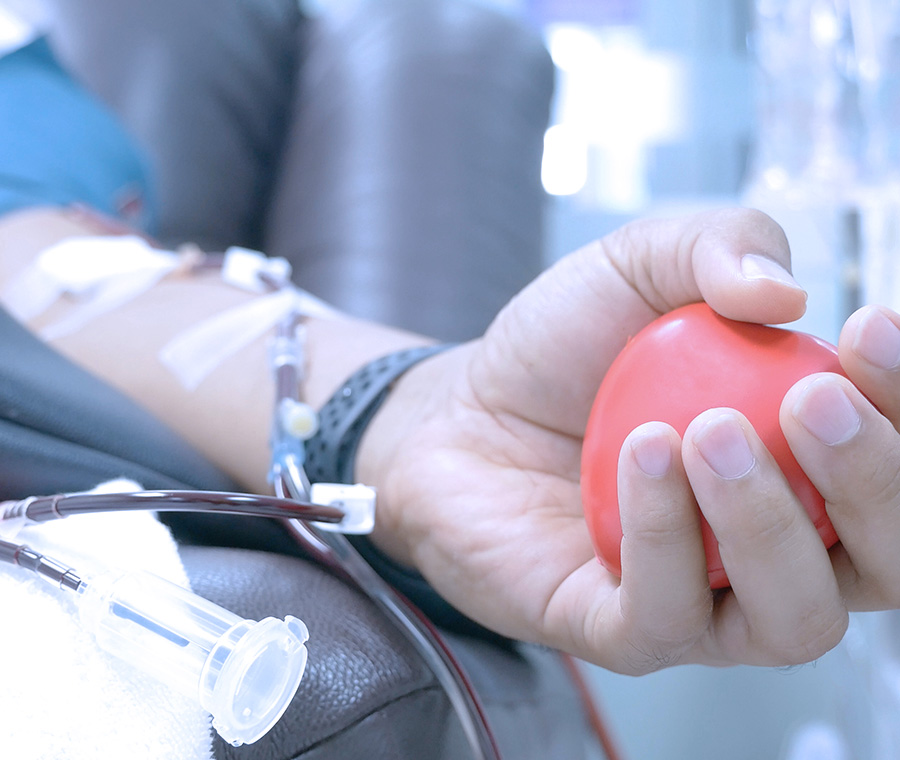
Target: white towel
61 696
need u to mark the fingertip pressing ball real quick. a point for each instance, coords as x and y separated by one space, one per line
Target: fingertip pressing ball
680 365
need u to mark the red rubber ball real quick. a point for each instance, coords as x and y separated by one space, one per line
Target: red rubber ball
680 365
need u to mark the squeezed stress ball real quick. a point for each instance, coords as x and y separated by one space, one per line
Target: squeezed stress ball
680 365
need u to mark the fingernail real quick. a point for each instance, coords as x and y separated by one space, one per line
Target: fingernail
652 453
878 341
826 412
756 267
723 445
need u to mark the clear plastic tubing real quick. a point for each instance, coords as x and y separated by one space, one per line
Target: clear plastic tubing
245 673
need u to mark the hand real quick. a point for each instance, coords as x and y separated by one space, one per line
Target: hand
477 457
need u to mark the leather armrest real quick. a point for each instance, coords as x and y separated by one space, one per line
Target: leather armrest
366 694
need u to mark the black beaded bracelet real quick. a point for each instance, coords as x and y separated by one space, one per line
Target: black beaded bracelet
330 456
331 452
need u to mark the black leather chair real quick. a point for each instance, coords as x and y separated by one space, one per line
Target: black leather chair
391 150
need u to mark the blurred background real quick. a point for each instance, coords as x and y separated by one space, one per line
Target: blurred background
793 107
668 107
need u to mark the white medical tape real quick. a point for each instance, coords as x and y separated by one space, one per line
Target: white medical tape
193 354
245 269
110 295
106 272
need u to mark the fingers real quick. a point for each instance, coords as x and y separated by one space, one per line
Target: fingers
786 605
665 596
869 349
852 454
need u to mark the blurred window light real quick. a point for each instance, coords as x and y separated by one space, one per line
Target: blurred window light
824 25
623 188
564 169
621 99
574 48
776 178
614 88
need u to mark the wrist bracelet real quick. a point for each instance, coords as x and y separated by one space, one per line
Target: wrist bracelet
330 456
331 453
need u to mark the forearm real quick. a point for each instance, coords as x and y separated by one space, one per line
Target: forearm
228 417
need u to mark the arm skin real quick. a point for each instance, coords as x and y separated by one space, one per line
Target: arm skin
476 451
228 417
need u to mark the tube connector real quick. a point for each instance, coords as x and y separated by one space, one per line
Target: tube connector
55 573
297 419
356 501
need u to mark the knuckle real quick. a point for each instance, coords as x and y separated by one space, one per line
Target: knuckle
663 643
641 658
817 633
884 480
774 526
745 218
760 222
750 228
753 217
661 528
860 477
764 525
870 590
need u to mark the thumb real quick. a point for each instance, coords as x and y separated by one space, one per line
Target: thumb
737 260
545 354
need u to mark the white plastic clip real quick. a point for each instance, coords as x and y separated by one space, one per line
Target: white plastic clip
357 502
244 269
